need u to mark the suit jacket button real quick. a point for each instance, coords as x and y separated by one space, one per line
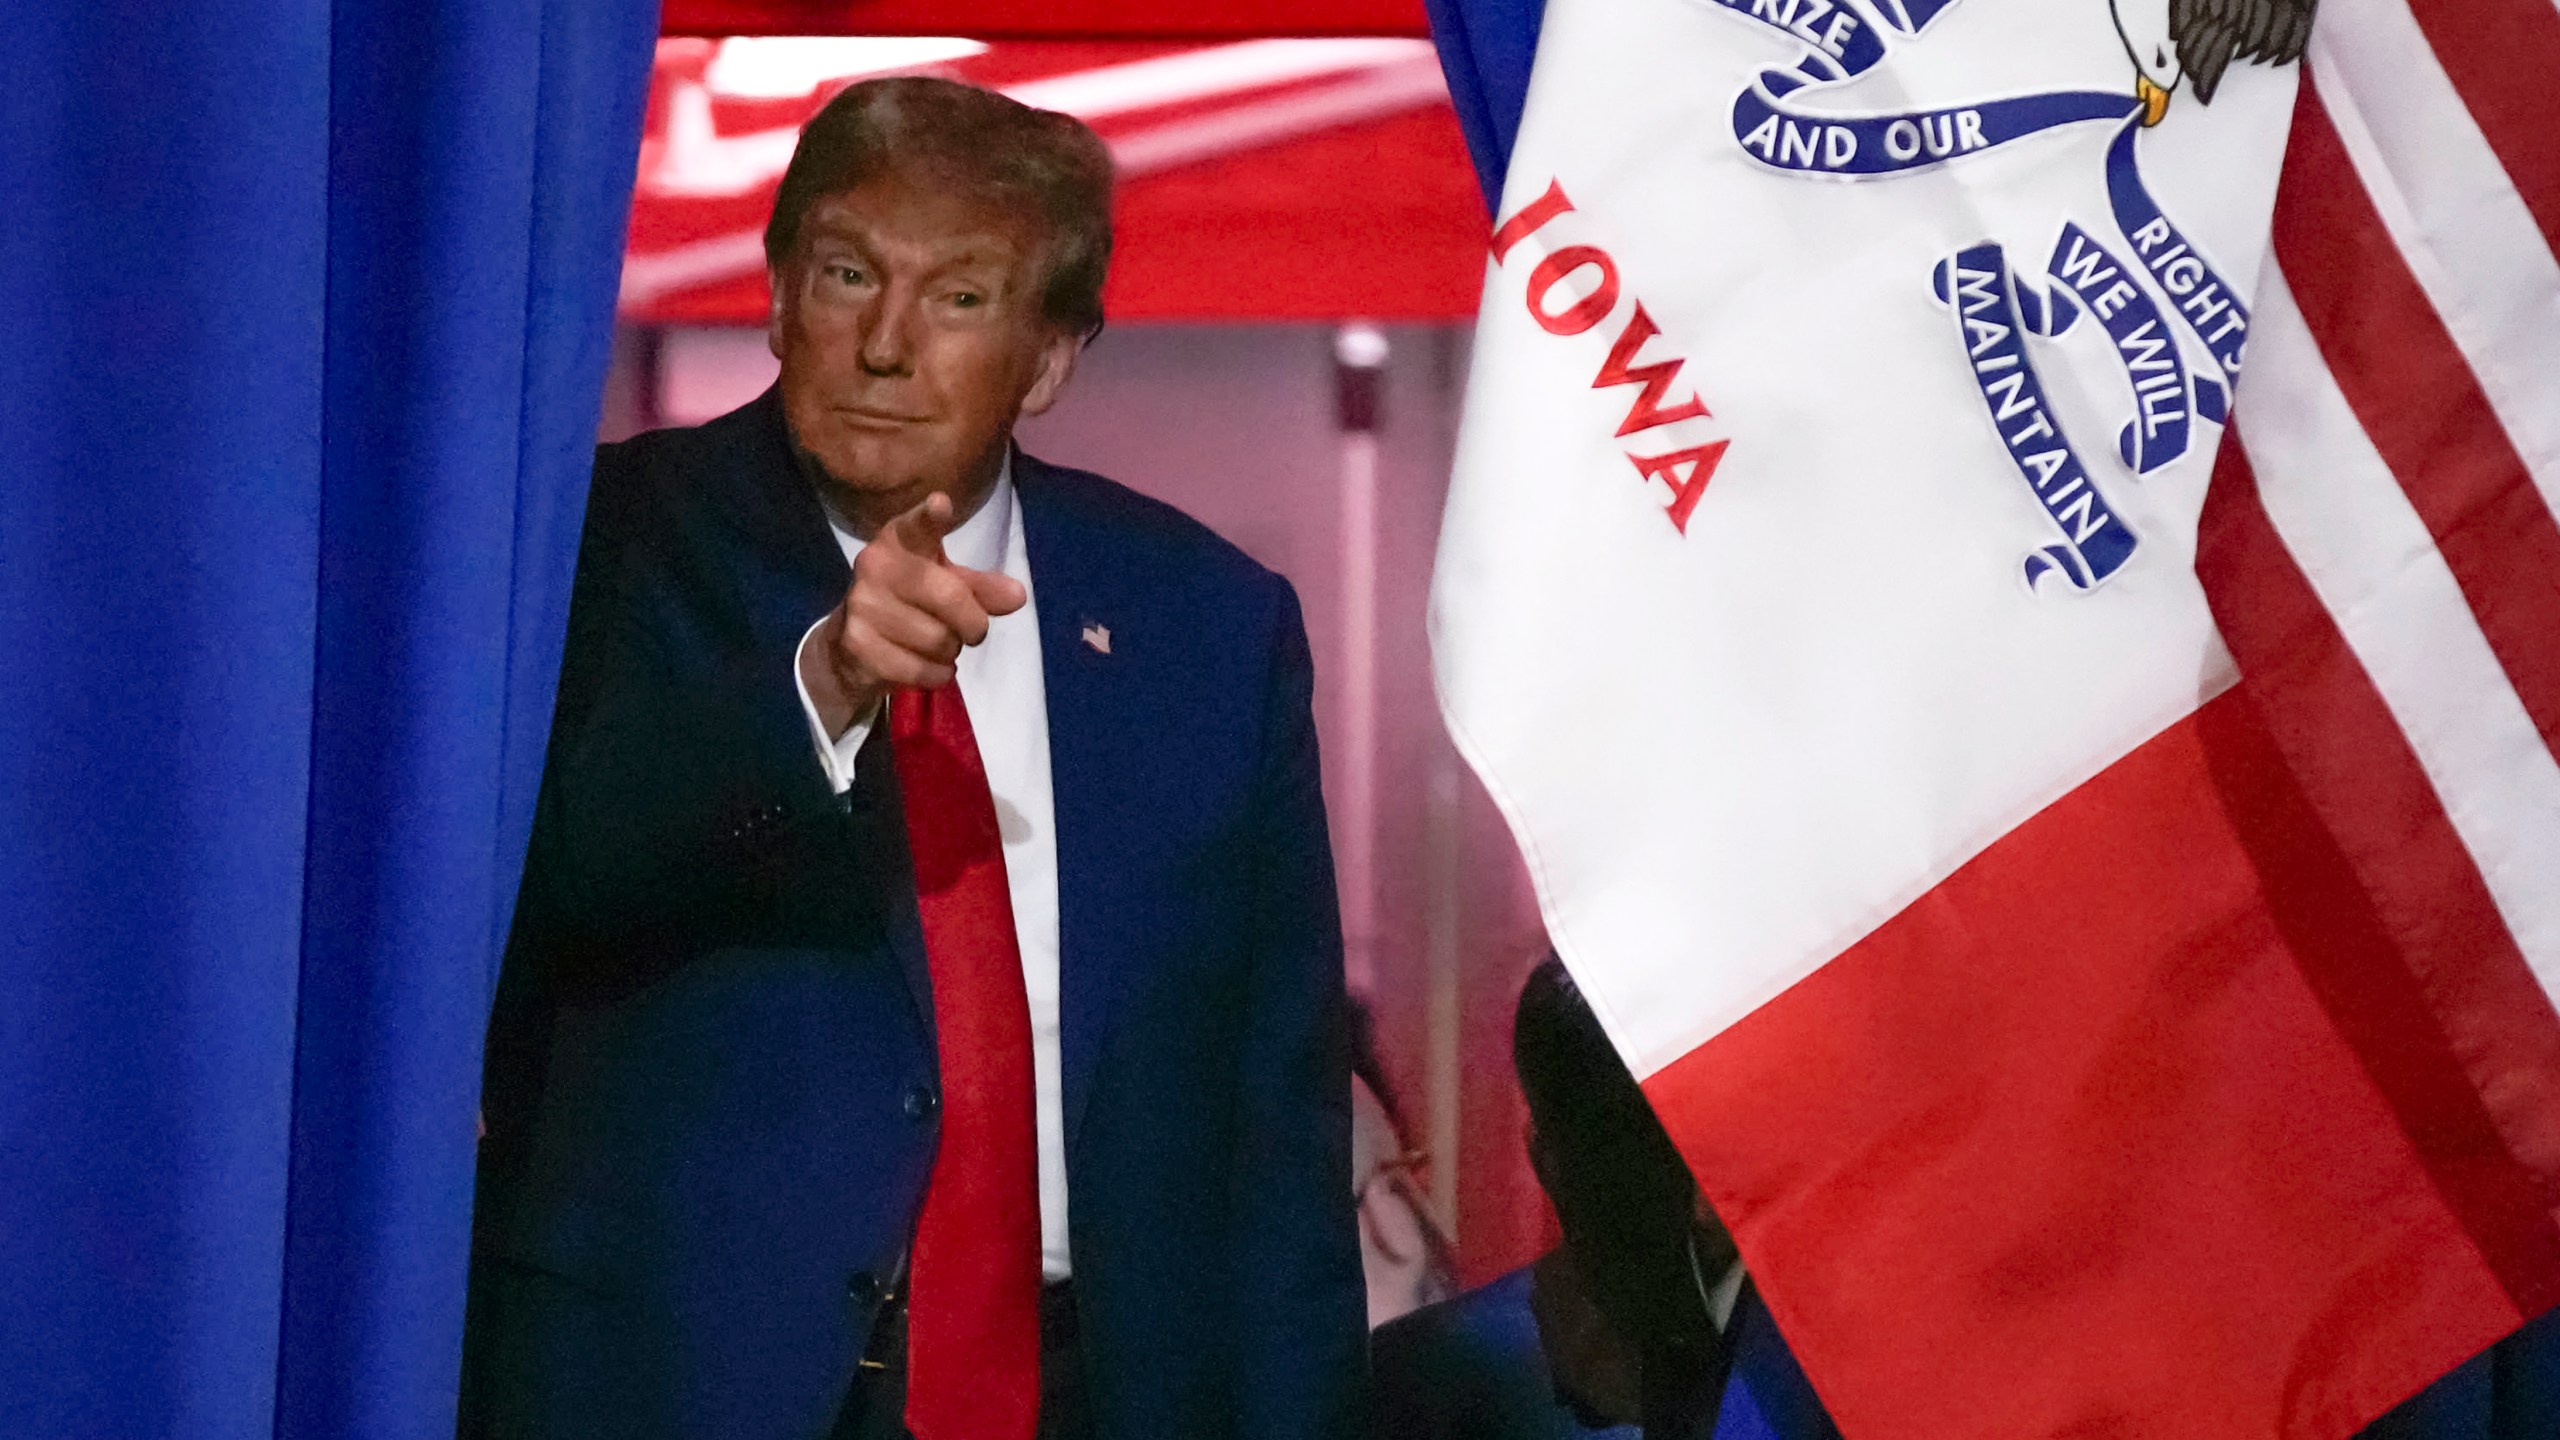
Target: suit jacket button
863 1289
920 1101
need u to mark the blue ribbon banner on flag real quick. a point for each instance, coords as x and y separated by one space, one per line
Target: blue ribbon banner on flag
1862 145
2166 399
1994 313
2211 307
1994 309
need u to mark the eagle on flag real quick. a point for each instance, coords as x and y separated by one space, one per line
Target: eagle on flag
2171 40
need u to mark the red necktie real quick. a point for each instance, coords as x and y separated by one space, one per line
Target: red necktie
973 1280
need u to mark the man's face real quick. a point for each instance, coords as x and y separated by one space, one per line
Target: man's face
911 335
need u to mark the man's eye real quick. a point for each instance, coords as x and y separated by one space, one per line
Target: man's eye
967 299
844 275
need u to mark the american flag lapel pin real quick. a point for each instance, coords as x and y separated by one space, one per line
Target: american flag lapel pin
1097 637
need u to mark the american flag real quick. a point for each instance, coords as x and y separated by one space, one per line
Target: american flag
2381 554
2382 557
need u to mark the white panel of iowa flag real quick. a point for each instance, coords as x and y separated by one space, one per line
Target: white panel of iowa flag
2024 657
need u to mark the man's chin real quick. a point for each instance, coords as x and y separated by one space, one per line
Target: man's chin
866 477
874 477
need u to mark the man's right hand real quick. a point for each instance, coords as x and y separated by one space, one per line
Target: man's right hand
903 620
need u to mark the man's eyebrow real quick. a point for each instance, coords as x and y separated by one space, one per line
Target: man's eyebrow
974 259
837 242
985 261
974 252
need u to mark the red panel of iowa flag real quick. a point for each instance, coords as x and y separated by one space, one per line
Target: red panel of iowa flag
2083 889
1261 178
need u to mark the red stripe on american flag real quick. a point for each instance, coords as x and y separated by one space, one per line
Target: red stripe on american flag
2382 904
2503 57
2420 403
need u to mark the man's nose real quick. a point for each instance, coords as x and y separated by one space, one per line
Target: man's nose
888 335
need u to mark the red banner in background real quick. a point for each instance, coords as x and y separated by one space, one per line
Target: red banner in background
1038 19
1264 179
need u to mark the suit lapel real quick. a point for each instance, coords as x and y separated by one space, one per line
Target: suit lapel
878 809
803 572
800 575
1091 692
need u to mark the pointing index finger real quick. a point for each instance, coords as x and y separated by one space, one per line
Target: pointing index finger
922 528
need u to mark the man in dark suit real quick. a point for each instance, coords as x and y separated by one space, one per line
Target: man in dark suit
1638 1319
924 1011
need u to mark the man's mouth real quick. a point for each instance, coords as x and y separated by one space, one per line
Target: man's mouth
863 417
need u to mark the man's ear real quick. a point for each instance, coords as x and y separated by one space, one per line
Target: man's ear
1057 364
778 281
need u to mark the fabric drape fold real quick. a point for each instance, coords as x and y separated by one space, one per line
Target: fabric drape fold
309 309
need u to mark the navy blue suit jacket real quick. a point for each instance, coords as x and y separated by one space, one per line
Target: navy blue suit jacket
711 1084
1471 1368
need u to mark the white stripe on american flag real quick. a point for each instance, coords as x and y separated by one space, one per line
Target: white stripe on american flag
2348 524
2451 210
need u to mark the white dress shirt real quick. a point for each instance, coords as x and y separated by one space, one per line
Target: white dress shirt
1000 679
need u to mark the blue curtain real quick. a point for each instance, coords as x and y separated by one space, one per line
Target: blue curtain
303 313
1486 47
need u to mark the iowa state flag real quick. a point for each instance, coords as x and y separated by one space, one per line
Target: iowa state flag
2030 708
